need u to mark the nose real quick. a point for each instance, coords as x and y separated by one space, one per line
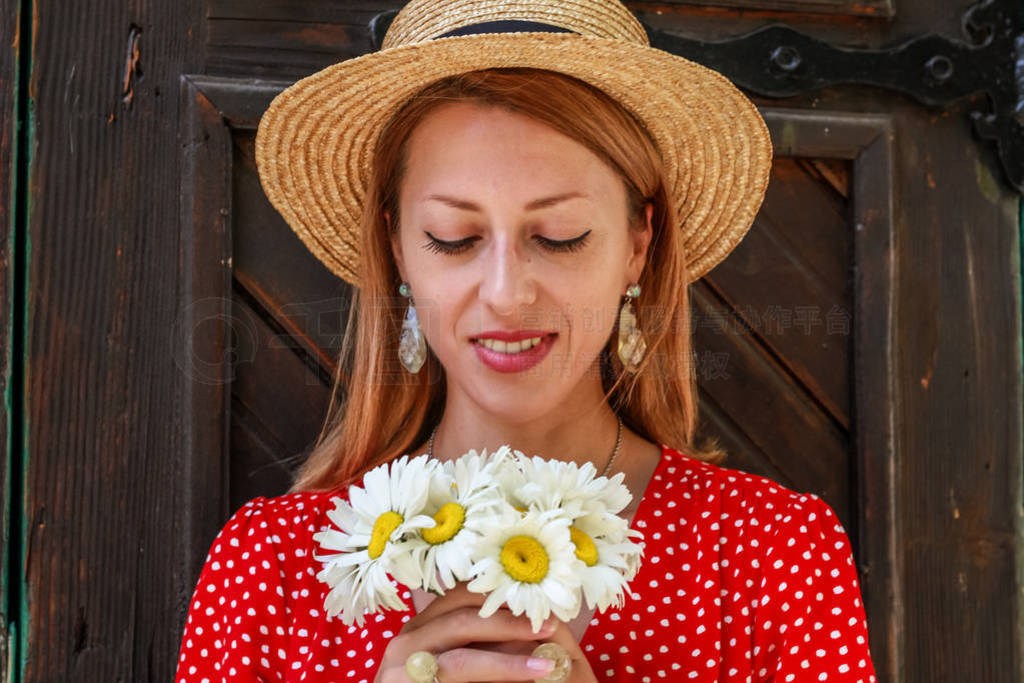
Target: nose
507 281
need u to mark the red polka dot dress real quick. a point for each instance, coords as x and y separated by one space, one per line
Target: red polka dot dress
742 580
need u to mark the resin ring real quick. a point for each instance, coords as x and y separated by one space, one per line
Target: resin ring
557 654
421 667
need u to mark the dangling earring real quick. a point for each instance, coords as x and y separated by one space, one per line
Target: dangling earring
631 341
412 348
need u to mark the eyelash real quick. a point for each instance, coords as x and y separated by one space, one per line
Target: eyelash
442 247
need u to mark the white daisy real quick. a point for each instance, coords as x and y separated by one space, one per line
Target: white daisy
553 484
610 561
509 475
527 561
601 537
462 493
376 516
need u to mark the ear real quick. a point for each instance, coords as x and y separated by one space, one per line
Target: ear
396 246
641 240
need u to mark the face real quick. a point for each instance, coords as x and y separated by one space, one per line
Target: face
506 225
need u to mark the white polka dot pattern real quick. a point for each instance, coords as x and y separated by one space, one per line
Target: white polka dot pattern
743 580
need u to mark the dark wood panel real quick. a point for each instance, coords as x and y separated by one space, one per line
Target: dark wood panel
277 269
789 280
330 11
277 406
128 423
335 39
105 583
771 407
247 62
959 298
741 453
866 140
870 8
882 409
202 333
287 39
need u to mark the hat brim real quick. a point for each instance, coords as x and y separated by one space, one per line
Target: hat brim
315 142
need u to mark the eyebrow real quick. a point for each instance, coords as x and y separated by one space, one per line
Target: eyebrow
542 203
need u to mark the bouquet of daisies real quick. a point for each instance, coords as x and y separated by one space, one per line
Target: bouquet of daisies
541 536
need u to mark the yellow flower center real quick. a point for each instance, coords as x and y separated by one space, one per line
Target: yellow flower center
524 559
382 530
585 548
449 521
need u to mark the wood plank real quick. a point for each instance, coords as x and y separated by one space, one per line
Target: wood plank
870 8
960 383
773 409
340 40
278 407
789 279
741 453
277 269
257 468
10 451
105 579
275 382
867 140
326 11
246 62
202 334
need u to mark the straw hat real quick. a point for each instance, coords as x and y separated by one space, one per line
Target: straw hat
315 142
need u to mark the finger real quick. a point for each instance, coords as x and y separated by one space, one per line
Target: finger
453 599
563 636
466 664
465 625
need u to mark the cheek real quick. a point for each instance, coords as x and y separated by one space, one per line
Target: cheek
439 306
594 317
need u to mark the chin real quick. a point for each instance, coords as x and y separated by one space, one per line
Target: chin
522 401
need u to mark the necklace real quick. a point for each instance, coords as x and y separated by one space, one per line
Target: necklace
607 468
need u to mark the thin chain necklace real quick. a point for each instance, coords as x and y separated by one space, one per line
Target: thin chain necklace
607 468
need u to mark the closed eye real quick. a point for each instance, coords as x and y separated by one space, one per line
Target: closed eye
575 244
459 246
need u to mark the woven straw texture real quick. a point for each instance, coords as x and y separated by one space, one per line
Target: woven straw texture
315 141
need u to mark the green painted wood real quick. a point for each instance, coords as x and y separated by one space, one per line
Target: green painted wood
16 134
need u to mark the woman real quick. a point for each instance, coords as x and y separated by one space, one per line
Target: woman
521 185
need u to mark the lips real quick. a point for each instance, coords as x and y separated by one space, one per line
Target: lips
516 355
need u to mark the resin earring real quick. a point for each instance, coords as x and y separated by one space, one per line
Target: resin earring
631 341
412 347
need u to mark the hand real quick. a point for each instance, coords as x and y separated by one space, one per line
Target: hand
563 635
581 671
467 646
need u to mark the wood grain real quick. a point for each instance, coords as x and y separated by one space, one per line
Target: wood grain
105 479
789 279
870 8
277 405
9 452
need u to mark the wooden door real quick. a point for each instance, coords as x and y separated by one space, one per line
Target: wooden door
862 343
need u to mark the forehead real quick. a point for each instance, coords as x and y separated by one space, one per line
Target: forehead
474 144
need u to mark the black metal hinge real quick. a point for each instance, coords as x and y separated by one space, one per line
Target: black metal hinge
776 61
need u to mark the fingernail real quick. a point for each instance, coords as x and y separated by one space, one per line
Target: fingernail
549 625
541 665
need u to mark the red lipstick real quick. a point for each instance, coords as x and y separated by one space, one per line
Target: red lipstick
520 361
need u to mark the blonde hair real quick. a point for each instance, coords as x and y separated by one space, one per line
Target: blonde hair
386 410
